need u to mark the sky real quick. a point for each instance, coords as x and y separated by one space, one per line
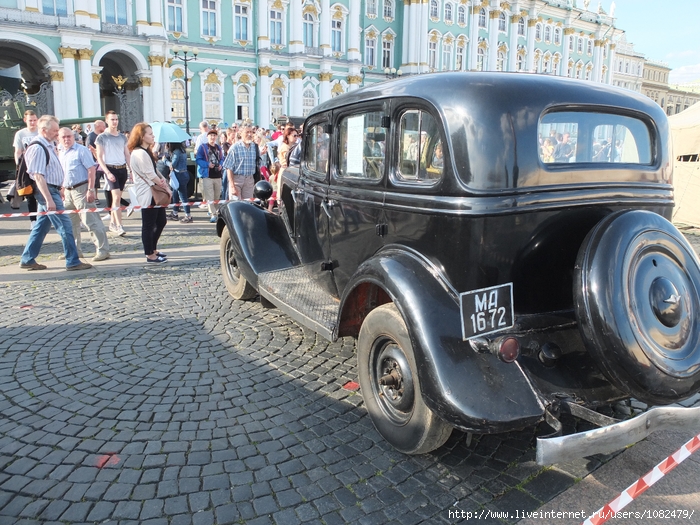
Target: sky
662 30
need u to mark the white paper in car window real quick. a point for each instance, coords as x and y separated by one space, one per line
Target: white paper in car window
356 133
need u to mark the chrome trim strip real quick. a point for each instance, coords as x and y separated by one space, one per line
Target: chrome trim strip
616 437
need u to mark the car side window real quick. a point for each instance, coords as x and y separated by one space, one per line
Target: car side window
316 150
420 148
362 146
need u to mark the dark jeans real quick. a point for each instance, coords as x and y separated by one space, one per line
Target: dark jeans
183 178
152 223
32 206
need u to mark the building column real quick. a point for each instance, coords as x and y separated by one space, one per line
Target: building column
94 17
57 86
326 27
155 13
148 109
565 52
70 99
87 104
263 117
96 100
82 15
423 12
597 60
324 91
156 82
405 36
530 62
611 62
513 51
167 100
263 29
354 31
474 38
296 89
296 26
141 17
493 40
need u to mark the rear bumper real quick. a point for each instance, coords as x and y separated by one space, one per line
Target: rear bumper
617 436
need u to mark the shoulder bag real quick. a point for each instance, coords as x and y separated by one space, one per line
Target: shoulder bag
161 196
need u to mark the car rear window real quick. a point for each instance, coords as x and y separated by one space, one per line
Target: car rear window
583 137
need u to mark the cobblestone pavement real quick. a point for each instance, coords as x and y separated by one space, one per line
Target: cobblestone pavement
149 396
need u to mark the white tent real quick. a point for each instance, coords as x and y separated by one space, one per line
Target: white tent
685 130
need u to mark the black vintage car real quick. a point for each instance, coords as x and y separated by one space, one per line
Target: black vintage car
500 246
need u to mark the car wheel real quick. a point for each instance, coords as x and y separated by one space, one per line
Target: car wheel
235 283
390 385
636 294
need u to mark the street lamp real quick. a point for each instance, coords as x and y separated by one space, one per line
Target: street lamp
176 49
392 73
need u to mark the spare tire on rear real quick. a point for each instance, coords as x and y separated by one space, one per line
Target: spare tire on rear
637 300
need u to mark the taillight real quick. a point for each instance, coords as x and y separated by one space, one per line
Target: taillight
508 349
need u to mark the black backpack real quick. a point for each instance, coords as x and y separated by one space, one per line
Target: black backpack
24 185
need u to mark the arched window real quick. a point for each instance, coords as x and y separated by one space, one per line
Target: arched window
432 55
371 51
448 12
538 32
521 62
547 34
177 97
480 54
309 30
579 48
242 103
309 101
502 21
434 9
462 15
212 102
557 36
501 61
588 73
387 53
276 102
589 47
627 67
446 57
546 64
521 27
389 9
482 17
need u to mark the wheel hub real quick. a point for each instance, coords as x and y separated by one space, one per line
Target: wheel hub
666 302
393 382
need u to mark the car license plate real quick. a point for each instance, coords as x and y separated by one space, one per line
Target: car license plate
486 310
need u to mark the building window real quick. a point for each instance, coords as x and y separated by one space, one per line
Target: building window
371 51
589 47
309 101
371 6
432 55
434 9
588 74
242 103
276 106
389 9
446 57
115 12
177 98
241 21
175 15
212 102
557 36
480 53
571 43
500 61
448 12
482 18
521 62
538 32
579 47
547 64
387 54
462 15
337 36
547 34
55 7
460 57
209 17
276 27
309 30
521 27
502 22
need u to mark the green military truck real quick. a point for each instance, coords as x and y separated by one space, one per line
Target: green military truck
11 123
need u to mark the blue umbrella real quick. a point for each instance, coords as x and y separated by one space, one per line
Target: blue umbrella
168 132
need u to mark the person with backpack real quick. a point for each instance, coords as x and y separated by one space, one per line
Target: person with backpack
22 139
45 170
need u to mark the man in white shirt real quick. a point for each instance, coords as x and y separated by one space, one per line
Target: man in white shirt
202 138
22 139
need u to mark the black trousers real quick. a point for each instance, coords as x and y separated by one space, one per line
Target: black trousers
32 206
152 223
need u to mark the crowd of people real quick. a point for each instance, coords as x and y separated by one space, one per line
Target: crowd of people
66 166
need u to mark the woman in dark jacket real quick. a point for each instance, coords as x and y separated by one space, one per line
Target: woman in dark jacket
178 168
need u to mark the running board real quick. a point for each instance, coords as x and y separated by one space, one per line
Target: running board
301 298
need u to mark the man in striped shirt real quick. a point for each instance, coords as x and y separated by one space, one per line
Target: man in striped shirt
48 179
242 164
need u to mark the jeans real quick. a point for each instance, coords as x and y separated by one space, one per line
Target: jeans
180 195
43 225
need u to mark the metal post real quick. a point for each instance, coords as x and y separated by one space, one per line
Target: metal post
176 54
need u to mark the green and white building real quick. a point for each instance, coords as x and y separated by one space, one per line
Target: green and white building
259 59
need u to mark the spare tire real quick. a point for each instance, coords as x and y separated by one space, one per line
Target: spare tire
637 300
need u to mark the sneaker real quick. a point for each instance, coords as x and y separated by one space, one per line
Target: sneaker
113 228
106 216
32 266
121 232
213 219
129 211
81 266
203 205
158 259
101 257
187 219
172 216
161 254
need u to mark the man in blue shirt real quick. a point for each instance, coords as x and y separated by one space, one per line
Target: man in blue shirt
79 169
241 164
48 179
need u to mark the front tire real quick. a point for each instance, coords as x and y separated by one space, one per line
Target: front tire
390 385
236 284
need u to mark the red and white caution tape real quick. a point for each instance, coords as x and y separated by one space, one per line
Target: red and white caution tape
641 485
65 212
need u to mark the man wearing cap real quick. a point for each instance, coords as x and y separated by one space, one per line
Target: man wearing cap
241 164
209 159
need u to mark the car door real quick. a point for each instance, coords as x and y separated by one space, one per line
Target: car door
356 192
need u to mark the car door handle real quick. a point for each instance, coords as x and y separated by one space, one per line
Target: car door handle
328 206
295 194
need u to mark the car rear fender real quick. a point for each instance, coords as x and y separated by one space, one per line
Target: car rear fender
474 392
259 239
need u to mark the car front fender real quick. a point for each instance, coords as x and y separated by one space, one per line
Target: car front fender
471 391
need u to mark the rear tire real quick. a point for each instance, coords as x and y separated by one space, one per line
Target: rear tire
236 284
397 409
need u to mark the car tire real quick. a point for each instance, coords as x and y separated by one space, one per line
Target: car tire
637 301
398 411
236 284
